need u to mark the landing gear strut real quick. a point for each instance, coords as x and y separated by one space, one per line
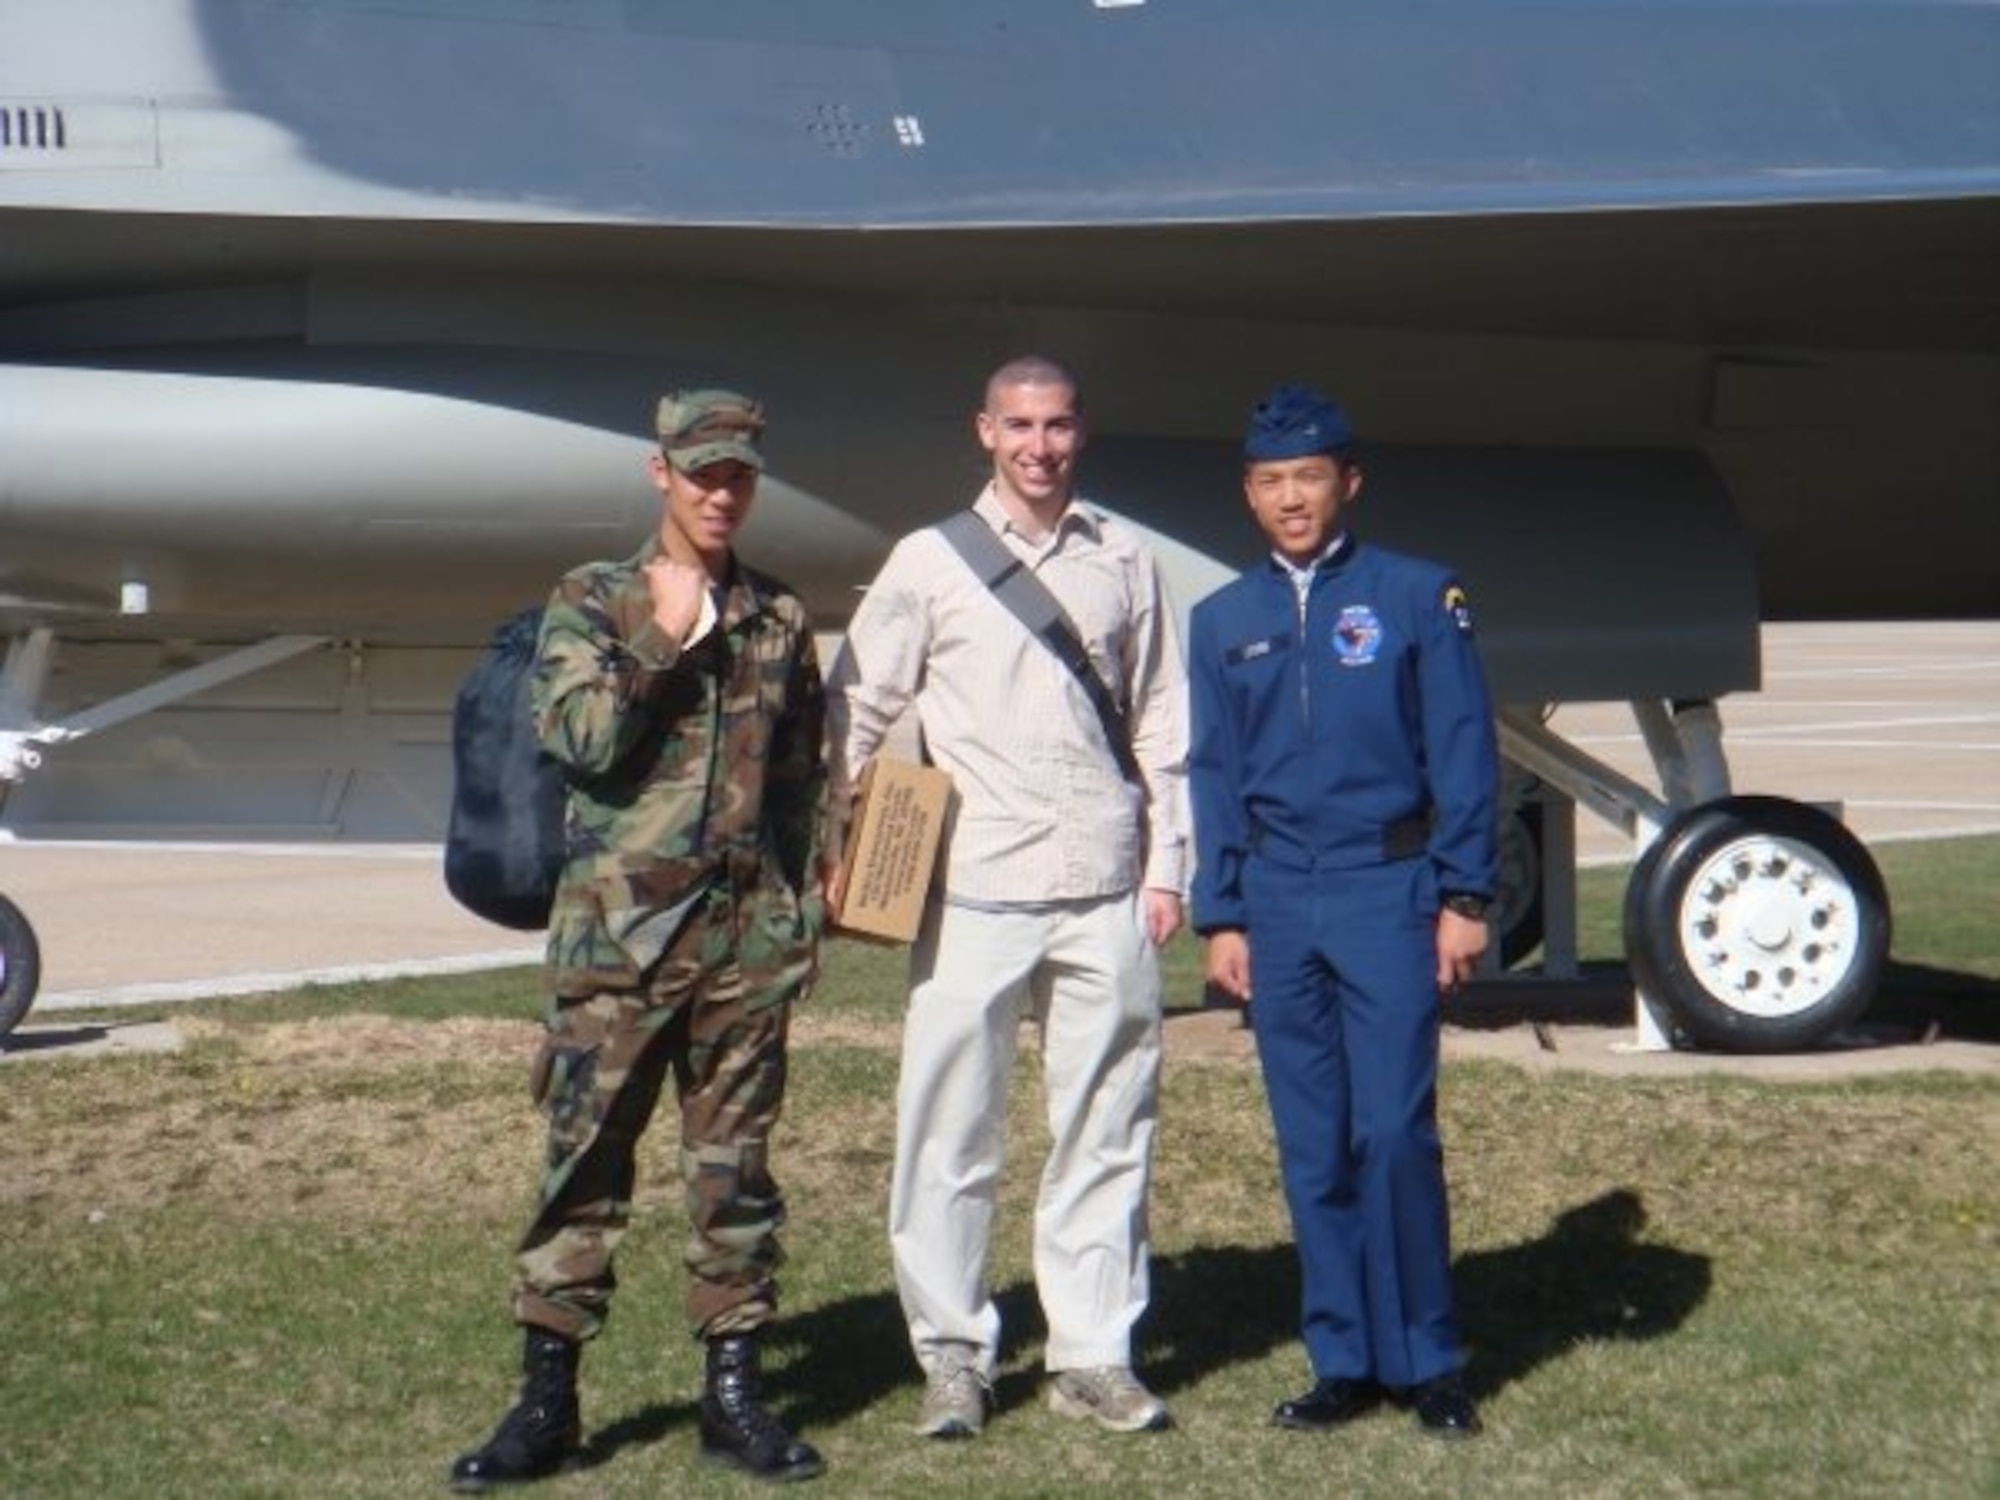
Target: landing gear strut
22 674
1752 924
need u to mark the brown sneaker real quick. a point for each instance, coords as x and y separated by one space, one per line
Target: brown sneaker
1111 1396
955 1396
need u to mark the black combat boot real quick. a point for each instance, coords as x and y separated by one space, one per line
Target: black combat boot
736 1427
543 1432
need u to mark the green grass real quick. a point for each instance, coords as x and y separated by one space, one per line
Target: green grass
276 1263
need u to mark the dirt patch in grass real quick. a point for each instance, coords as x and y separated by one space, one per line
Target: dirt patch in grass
359 1117
259 1122
817 1026
375 1041
371 1120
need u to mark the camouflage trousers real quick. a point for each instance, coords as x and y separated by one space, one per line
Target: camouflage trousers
720 1026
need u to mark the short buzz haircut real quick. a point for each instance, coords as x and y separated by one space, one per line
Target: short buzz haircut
1032 369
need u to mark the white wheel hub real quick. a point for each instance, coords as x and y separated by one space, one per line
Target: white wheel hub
1769 926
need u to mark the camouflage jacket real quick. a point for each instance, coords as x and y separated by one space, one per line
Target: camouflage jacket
685 768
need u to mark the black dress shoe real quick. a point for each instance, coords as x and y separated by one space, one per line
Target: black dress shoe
1444 1407
1329 1403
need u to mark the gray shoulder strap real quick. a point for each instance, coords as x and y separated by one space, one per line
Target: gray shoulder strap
1030 602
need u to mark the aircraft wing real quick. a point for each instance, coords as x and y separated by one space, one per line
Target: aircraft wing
881 114
343 318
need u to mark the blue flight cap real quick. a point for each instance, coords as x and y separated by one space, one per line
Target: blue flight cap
1293 421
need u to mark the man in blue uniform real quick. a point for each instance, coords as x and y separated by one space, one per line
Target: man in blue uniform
1345 780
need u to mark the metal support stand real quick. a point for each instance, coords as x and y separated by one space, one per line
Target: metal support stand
27 668
1685 742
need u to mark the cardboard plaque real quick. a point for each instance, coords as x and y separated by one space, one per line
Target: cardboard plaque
892 849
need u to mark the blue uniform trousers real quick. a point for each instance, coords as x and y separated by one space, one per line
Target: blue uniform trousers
1343 973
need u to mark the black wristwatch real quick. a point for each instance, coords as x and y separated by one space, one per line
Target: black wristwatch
1468 905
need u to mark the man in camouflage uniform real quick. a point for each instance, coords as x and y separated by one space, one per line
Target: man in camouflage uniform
680 691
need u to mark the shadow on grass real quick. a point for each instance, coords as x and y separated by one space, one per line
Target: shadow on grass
1589 1279
1963 1006
1601 995
1215 1306
1914 1002
642 1428
1212 1307
51 1039
823 1366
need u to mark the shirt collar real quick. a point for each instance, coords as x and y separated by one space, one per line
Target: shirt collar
736 597
1333 551
1076 516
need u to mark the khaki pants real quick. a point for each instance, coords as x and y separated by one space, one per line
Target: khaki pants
1086 971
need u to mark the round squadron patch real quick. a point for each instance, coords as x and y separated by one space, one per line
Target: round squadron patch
1357 636
1458 606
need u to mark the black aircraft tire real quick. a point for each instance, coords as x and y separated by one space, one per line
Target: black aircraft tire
20 966
1762 924
1518 918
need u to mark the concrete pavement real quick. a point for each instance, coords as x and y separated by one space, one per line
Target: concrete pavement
131 923
1899 723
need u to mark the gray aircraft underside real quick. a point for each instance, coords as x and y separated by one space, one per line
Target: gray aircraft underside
341 321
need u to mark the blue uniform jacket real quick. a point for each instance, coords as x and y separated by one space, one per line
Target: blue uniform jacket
1327 737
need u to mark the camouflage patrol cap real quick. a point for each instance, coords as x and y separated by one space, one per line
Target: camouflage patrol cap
699 428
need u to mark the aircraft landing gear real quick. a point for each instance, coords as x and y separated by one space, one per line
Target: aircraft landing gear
1752 924
1762 924
1519 919
20 966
